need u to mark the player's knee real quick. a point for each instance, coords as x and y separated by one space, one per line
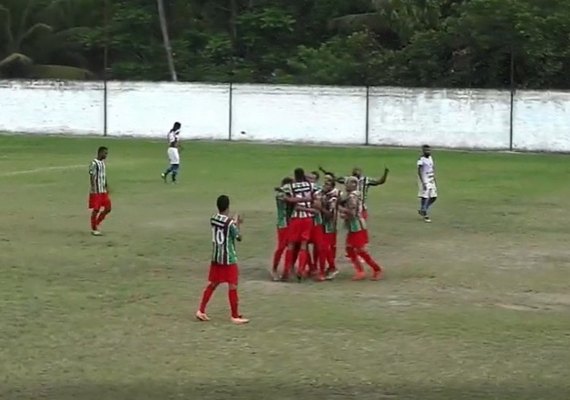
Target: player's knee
107 210
233 286
213 285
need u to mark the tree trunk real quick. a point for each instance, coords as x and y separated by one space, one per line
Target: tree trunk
166 39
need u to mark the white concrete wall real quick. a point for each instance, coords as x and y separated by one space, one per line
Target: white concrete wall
150 109
396 116
299 114
541 121
51 107
443 118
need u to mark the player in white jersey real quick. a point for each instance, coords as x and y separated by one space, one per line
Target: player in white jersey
173 153
426 182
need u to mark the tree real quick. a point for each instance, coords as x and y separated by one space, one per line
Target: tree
166 39
31 36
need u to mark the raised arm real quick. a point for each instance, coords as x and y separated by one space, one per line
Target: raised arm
379 181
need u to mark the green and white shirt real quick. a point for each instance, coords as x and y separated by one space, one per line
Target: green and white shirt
225 232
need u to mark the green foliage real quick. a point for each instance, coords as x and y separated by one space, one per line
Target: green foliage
468 43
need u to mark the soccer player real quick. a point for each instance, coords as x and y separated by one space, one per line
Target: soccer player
301 223
357 236
99 200
223 267
330 217
173 153
317 236
284 210
426 182
364 183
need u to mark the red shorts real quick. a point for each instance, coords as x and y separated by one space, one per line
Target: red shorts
300 229
99 200
282 237
365 214
223 273
318 235
357 240
330 239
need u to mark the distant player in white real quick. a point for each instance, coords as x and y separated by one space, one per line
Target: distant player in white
173 154
427 183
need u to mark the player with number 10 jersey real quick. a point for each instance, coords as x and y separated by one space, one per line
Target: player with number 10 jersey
223 266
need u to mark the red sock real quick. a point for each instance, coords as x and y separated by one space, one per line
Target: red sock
369 260
101 217
94 220
315 255
206 296
354 258
233 298
277 257
295 256
303 258
289 261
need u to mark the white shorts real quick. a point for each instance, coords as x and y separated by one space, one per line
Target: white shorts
429 192
173 155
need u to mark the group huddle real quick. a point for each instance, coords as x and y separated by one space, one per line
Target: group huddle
308 214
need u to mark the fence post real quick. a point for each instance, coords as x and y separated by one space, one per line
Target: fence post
105 101
367 128
511 121
230 111
513 88
105 67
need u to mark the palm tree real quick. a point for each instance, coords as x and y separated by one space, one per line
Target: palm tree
166 39
28 34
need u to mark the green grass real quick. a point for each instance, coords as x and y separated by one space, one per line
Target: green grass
475 306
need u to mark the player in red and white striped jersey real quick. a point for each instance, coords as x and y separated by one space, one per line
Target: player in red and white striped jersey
301 223
99 201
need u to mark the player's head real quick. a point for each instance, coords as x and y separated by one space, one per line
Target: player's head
328 185
176 127
426 150
330 177
286 181
102 153
357 171
223 204
351 184
300 175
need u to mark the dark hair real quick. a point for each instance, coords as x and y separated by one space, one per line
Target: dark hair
300 175
316 174
101 149
286 181
330 175
223 203
426 146
175 127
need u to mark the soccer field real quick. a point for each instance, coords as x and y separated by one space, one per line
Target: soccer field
474 306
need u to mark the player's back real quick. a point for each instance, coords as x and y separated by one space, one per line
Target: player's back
224 234
302 190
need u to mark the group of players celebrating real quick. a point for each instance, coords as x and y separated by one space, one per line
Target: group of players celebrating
308 214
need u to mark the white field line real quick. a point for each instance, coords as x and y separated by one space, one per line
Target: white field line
44 169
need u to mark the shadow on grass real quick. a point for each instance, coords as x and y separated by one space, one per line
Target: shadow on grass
254 390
